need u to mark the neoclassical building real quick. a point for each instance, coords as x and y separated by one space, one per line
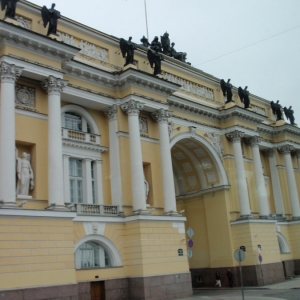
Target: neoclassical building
119 184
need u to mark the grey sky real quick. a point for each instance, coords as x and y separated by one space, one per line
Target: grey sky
207 29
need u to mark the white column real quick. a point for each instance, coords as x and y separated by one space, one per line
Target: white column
87 175
297 153
114 158
261 191
66 166
277 194
290 176
98 182
54 87
161 116
236 137
133 108
9 75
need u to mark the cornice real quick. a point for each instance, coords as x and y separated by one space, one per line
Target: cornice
203 192
34 42
144 80
279 130
83 145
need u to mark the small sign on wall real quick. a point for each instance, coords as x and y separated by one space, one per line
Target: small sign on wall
180 252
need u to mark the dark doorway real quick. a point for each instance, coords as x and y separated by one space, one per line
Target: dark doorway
97 290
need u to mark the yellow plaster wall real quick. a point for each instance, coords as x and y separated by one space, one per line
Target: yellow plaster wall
36 252
252 234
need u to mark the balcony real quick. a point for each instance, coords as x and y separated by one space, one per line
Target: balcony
80 136
96 210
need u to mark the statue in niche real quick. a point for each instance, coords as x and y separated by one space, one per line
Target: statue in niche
146 185
145 41
155 59
24 174
10 6
177 55
244 96
289 113
156 45
50 16
226 89
276 109
165 42
127 49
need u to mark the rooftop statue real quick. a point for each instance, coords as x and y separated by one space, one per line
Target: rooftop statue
127 49
244 96
276 108
145 41
155 59
10 6
165 42
226 89
177 55
289 113
50 16
156 45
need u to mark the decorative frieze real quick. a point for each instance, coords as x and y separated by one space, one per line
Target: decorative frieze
53 84
87 49
286 149
112 112
161 115
25 95
190 87
143 123
10 72
235 136
22 22
258 110
215 140
132 107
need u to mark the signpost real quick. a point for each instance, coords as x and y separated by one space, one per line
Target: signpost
260 260
239 255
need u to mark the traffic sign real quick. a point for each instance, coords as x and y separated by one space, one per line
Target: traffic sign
260 258
190 232
191 243
239 255
189 253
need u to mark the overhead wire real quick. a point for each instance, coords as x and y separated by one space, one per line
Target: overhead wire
260 41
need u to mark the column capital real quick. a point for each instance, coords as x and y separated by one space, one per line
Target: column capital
235 136
111 112
132 107
297 153
270 152
161 115
254 140
286 149
10 72
52 84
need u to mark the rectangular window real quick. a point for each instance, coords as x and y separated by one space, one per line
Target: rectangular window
76 186
93 182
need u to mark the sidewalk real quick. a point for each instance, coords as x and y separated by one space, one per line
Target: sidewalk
286 285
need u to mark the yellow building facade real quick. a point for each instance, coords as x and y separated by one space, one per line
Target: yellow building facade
119 184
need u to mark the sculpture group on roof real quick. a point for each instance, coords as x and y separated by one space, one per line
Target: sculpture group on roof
10 6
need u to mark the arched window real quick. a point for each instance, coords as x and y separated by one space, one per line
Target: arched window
76 122
283 245
92 255
96 251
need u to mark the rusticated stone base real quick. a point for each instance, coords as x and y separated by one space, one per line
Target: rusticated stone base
167 287
252 275
291 267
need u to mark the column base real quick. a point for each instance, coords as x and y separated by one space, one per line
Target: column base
140 212
245 217
8 205
58 207
171 213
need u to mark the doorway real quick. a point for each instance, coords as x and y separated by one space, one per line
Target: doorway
97 290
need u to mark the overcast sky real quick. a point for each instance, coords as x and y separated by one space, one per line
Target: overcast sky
268 32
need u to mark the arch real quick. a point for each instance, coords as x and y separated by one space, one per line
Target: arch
213 154
81 111
283 244
103 241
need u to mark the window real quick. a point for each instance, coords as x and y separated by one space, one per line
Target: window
93 182
76 179
92 255
75 121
